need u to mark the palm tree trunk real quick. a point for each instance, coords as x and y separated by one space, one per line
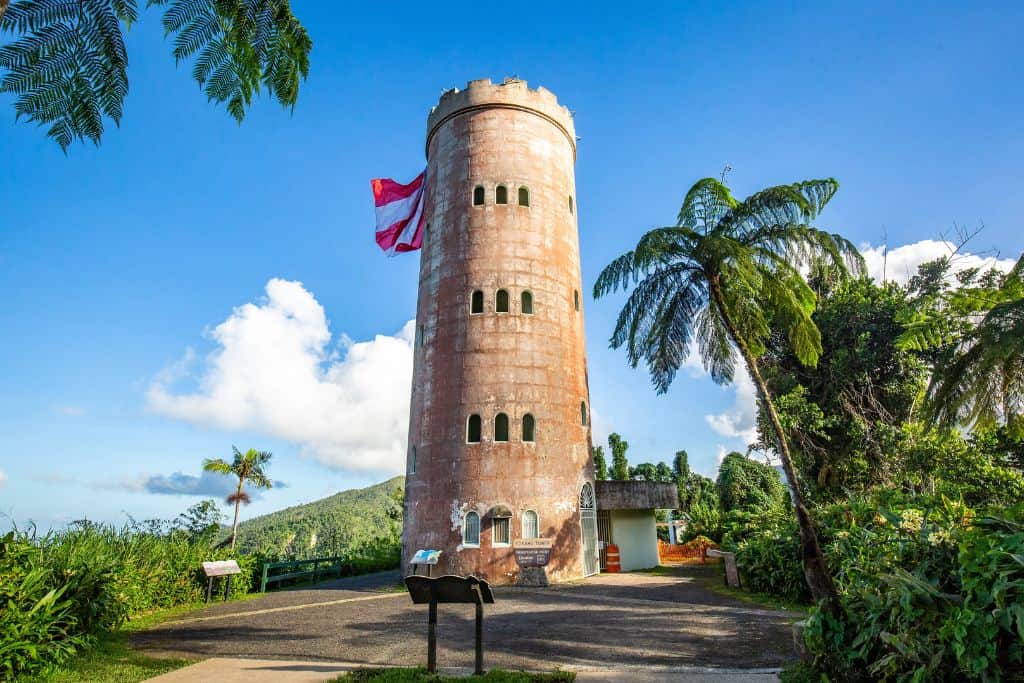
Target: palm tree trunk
815 570
238 504
3 8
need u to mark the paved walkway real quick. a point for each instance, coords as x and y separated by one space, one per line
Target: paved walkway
633 625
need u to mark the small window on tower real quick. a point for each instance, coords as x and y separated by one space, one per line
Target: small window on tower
583 413
501 195
528 427
576 299
501 427
570 203
471 529
501 301
478 195
531 525
524 196
473 429
412 460
419 337
527 303
476 303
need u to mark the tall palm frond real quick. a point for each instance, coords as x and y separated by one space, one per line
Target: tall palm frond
240 46
68 67
984 383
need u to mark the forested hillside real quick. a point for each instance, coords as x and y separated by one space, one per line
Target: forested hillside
346 522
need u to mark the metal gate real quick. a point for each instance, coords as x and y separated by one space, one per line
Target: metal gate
588 519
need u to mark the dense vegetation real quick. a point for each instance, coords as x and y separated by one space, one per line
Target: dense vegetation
64 590
347 523
897 413
921 522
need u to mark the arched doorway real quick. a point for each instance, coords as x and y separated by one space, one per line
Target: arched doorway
588 520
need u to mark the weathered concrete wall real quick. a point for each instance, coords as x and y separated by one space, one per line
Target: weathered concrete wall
636 534
637 495
499 362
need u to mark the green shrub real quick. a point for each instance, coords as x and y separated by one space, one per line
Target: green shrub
62 589
927 593
767 548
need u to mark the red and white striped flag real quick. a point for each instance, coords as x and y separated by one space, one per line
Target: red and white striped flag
399 213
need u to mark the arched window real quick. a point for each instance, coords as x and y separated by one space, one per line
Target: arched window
412 460
501 531
528 427
476 302
473 429
524 196
501 301
583 413
471 529
531 525
501 427
527 303
478 195
576 299
501 195
570 203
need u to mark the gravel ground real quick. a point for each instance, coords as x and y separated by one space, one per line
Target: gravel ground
626 622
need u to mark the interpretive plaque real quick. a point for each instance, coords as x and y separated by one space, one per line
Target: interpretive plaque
532 552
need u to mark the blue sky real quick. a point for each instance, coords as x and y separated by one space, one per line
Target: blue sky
115 261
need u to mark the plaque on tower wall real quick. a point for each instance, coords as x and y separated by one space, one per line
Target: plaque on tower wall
532 552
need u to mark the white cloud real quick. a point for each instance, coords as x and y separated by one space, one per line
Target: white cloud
3 479
275 372
739 421
901 263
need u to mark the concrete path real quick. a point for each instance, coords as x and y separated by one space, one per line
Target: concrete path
631 626
238 670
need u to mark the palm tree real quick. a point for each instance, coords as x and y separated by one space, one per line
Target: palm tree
68 65
982 384
248 467
723 275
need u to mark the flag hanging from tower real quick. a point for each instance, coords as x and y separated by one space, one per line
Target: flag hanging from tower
399 213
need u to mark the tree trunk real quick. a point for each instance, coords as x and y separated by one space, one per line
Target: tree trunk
238 504
3 8
815 570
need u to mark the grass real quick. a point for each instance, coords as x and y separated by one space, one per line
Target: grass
420 675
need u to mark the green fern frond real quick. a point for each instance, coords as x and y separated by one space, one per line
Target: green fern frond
241 47
68 65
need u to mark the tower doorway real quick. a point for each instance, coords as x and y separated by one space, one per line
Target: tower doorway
588 521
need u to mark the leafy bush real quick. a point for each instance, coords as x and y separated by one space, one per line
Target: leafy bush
62 589
927 593
767 548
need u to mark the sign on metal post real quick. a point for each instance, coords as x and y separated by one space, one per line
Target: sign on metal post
427 558
217 568
425 590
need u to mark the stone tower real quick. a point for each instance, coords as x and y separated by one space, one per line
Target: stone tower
499 431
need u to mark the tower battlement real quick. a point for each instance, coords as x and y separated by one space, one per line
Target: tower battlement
512 93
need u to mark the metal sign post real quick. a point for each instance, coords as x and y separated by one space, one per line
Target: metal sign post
425 590
226 568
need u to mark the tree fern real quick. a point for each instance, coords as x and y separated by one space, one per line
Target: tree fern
68 67
721 276
240 47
